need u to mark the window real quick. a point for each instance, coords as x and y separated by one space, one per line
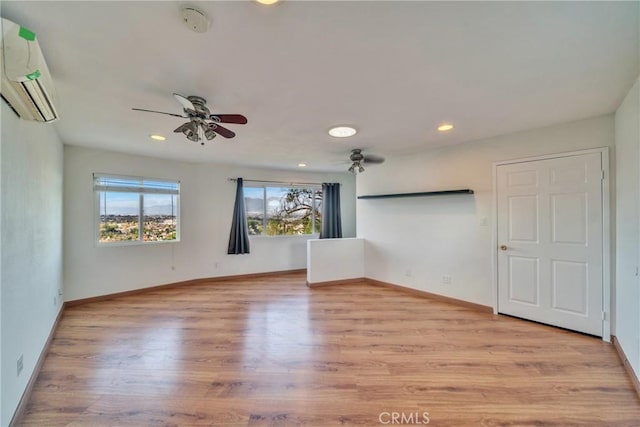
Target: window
280 211
138 210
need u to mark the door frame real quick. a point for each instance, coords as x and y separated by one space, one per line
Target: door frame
607 309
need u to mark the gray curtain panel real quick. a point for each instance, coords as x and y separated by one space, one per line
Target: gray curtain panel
331 222
239 237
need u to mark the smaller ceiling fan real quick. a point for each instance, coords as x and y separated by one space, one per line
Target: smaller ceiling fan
358 159
201 121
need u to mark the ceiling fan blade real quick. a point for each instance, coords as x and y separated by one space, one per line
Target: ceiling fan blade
184 101
222 130
238 119
159 112
373 159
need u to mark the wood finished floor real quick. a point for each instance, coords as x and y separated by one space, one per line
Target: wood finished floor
271 351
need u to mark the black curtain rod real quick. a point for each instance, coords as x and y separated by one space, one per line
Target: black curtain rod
276 182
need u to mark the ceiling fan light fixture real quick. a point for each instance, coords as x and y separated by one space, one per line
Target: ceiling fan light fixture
356 167
267 2
302 165
157 137
209 134
181 128
190 130
342 131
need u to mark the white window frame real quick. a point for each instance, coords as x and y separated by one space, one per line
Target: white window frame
140 190
264 186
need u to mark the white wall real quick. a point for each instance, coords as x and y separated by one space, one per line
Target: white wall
31 246
413 242
627 126
334 259
206 200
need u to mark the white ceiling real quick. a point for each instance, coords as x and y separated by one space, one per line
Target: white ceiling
393 69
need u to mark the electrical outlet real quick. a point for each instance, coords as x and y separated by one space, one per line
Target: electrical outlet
59 292
446 279
19 365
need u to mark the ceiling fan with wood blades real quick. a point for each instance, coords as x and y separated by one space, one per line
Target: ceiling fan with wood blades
202 123
358 160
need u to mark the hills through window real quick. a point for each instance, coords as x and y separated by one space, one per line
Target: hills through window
136 210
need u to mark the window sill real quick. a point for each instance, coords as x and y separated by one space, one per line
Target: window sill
134 243
286 236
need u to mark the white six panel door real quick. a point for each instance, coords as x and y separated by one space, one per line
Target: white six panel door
550 241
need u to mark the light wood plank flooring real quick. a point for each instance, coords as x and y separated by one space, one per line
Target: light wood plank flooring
270 351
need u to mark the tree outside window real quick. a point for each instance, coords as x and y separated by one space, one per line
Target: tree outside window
282 211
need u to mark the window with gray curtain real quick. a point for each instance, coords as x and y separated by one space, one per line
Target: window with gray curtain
331 220
239 236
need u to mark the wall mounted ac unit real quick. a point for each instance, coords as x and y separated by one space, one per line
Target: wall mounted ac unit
25 83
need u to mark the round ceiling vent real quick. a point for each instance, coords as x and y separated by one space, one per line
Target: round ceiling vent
195 20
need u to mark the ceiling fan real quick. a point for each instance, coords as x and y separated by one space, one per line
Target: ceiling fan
358 159
201 122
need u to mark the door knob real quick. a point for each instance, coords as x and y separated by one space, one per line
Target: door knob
503 247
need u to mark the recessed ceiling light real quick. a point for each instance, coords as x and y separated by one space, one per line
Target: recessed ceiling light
267 2
302 165
342 131
445 127
157 137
